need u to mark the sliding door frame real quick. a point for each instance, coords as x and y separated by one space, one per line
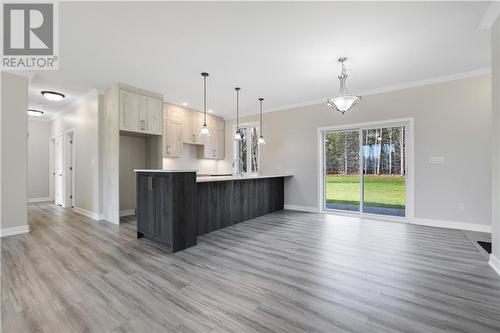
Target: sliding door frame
409 205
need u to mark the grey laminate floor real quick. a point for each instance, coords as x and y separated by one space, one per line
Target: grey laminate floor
284 272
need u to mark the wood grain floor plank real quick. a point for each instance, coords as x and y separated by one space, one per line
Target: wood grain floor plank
282 272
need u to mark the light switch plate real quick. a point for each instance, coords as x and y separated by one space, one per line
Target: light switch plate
436 160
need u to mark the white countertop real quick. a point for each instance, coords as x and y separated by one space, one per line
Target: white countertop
227 178
165 171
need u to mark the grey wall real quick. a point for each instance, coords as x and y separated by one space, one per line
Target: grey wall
495 204
38 158
452 119
82 116
132 156
14 151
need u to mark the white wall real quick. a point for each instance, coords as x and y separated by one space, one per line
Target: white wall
132 156
82 116
38 159
452 119
495 203
14 154
189 160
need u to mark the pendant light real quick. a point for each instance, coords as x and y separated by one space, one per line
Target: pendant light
261 141
344 101
204 128
237 135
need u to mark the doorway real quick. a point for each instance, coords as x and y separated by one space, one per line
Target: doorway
365 169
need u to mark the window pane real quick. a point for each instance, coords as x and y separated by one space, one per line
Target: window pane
342 170
243 149
255 150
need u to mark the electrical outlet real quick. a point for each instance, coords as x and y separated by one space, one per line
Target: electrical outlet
461 206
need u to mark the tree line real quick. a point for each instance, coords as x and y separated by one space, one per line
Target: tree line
383 151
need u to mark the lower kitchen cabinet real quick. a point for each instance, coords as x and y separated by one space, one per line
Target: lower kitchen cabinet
165 204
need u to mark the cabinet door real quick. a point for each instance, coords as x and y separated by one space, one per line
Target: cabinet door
172 139
221 144
146 205
196 123
162 228
130 111
152 114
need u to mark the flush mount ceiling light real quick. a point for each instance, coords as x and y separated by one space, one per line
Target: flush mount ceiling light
237 135
261 141
35 113
52 95
204 128
344 101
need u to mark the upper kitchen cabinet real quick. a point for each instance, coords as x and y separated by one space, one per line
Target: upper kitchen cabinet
174 119
213 144
195 124
152 112
183 125
140 111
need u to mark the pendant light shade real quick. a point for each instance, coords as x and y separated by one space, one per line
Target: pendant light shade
204 129
237 135
261 140
344 101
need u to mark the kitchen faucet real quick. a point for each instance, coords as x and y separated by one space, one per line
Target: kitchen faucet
239 170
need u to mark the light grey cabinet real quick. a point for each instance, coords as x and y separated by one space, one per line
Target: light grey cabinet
140 113
213 145
172 139
184 125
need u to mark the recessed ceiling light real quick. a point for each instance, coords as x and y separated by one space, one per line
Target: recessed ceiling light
210 111
184 104
35 113
52 95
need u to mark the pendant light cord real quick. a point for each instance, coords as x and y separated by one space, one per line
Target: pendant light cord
204 98
261 126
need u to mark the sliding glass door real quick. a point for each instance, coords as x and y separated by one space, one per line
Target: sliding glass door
365 170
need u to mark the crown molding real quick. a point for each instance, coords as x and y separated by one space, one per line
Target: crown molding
402 86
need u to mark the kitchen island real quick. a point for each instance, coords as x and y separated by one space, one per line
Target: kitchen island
175 206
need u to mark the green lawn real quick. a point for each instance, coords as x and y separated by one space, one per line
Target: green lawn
381 191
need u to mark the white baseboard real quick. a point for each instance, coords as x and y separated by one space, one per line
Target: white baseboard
127 212
453 225
87 213
302 208
494 263
44 199
14 231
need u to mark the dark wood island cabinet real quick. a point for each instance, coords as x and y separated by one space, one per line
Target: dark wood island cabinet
174 207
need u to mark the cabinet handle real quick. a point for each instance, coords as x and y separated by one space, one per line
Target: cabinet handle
150 183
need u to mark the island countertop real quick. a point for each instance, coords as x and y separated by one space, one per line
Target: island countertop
165 171
204 179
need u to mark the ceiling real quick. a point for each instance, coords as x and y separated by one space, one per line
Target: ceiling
285 52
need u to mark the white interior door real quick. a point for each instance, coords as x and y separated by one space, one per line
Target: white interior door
58 170
68 170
